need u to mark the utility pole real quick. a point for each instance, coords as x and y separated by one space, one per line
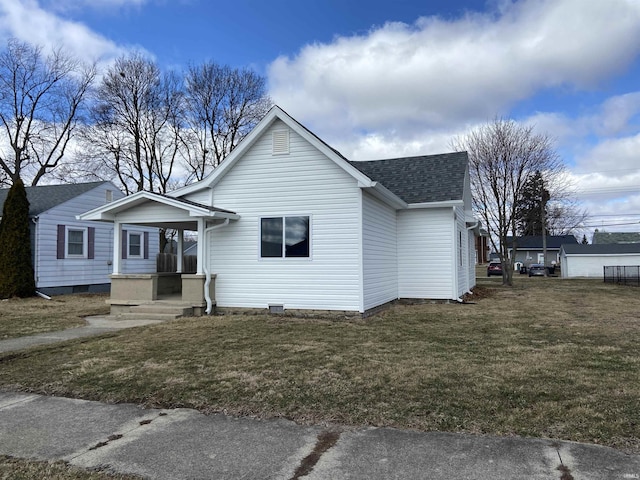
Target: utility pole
543 221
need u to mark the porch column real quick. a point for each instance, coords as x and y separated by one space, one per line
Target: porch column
117 246
180 250
201 241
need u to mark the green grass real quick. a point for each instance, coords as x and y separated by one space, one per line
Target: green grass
30 316
547 358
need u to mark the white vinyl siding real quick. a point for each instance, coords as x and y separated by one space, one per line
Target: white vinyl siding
592 266
462 257
54 272
426 253
380 252
303 183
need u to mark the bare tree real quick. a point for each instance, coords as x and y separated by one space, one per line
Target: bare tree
41 99
135 135
566 217
503 155
224 104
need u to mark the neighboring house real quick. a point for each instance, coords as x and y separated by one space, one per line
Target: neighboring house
482 246
589 260
286 222
72 256
529 249
615 237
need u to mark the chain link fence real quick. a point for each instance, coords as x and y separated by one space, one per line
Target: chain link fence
622 275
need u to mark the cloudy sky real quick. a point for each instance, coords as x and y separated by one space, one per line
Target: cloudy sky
380 79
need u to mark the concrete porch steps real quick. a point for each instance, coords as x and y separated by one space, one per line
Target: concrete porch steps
157 311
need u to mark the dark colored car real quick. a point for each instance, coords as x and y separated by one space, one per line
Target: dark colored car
537 269
494 268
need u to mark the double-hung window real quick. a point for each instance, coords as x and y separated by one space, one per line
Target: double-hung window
285 237
76 242
135 245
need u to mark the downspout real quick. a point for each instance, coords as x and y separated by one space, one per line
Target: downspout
205 262
35 252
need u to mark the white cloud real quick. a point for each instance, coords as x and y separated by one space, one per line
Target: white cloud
27 21
613 157
438 73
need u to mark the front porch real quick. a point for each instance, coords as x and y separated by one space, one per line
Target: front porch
161 295
179 294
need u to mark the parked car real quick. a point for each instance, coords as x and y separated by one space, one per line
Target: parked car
494 268
537 269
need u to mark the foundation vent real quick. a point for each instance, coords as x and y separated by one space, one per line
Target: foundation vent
276 308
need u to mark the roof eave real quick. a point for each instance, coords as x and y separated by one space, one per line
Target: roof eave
441 204
383 193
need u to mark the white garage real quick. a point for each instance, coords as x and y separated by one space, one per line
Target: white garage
589 260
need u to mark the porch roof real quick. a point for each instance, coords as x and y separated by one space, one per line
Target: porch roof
172 213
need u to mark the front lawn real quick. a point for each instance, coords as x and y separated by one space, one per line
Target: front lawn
547 358
30 316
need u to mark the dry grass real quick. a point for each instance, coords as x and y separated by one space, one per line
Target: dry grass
29 316
546 358
19 469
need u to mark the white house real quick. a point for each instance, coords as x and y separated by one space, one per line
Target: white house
589 260
71 256
286 222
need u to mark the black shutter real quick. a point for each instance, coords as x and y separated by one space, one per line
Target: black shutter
61 241
124 244
91 242
146 245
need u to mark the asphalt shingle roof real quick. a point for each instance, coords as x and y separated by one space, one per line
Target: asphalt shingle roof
535 241
616 237
602 248
428 178
44 197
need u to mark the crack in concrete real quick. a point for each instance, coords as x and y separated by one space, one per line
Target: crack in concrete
562 468
326 440
116 436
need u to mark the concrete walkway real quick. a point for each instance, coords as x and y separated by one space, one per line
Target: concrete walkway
182 443
185 444
95 326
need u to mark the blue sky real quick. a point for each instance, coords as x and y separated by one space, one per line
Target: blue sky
381 79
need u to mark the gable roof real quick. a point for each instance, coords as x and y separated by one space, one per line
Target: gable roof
534 242
616 237
191 210
275 113
423 179
602 249
398 181
45 197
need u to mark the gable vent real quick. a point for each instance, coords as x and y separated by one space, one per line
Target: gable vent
280 144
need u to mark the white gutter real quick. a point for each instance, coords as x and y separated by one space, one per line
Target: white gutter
36 251
205 262
442 204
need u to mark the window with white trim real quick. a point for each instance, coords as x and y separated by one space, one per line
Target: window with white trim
76 242
285 237
135 245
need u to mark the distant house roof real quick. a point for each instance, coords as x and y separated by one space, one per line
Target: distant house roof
45 197
534 242
428 178
602 248
616 237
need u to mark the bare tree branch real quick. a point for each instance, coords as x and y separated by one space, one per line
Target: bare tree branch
41 99
503 155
